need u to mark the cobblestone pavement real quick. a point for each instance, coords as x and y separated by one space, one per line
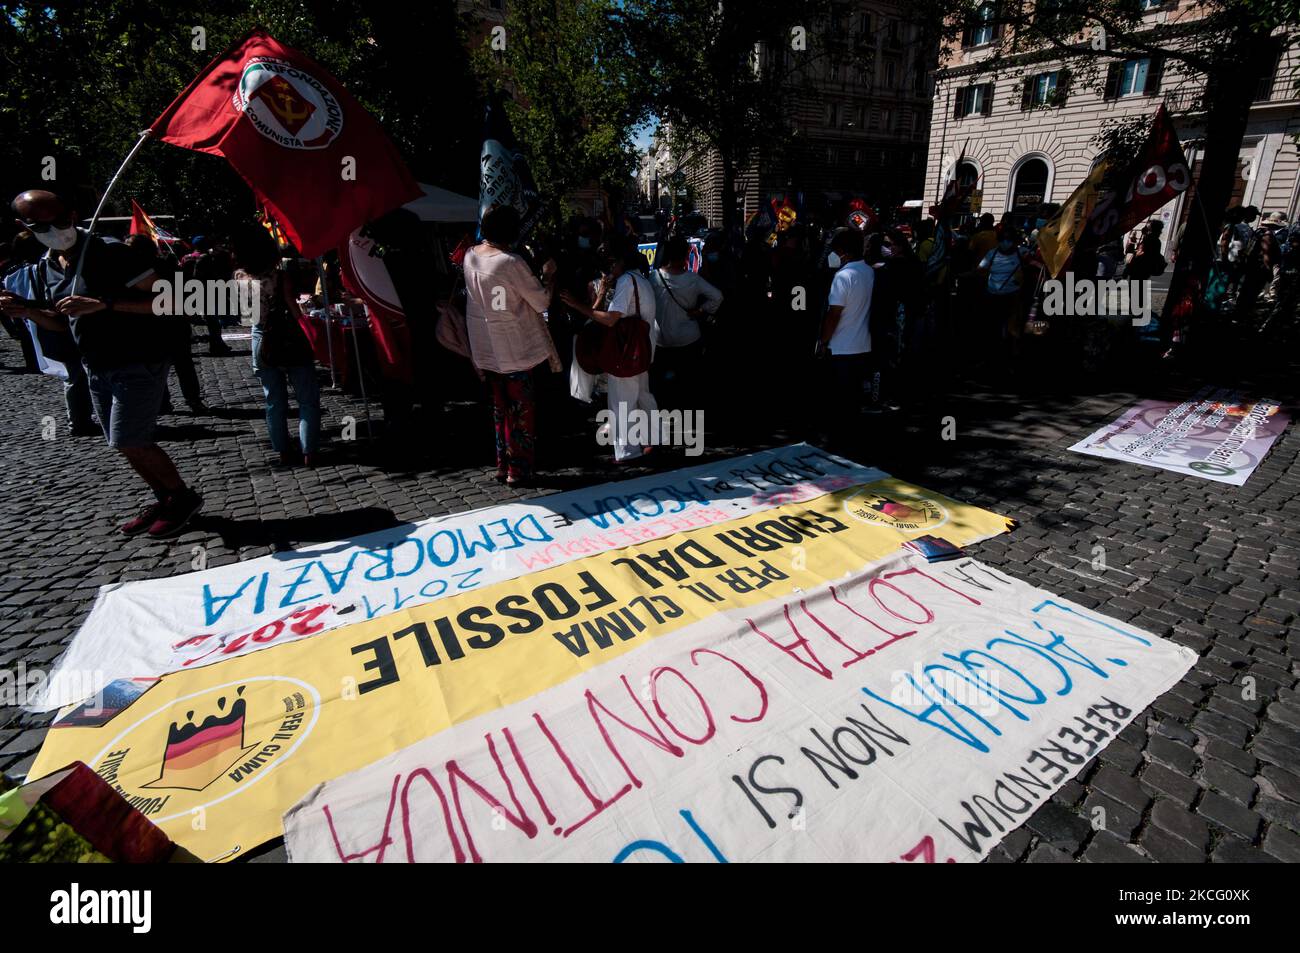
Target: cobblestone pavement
1208 772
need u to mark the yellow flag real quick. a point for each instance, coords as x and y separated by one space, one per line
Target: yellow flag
1057 238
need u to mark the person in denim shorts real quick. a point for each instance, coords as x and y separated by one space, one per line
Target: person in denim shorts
101 292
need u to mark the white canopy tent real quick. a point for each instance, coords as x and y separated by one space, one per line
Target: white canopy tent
441 205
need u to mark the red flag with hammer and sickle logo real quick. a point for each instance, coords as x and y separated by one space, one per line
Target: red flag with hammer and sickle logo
315 158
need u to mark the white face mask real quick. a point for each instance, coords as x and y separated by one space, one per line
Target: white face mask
58 239
834 260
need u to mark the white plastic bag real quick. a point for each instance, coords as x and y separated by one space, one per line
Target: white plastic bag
581 384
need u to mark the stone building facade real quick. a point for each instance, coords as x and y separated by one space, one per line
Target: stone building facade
1026 135
859 118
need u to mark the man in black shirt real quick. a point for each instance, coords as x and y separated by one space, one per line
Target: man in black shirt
100 292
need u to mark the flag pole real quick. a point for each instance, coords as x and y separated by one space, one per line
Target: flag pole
361 374
329 334
81 259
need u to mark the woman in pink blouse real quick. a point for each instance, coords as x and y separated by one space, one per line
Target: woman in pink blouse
508 337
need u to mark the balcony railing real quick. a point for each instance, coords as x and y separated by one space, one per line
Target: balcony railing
1184 101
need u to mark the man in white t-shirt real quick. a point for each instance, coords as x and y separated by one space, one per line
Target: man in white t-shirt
846 335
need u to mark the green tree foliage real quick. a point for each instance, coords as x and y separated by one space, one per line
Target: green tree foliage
82 79
723 72
573 94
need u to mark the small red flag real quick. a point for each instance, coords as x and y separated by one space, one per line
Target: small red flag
316 159
141 224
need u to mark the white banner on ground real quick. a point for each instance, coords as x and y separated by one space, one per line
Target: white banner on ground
155 626
907 713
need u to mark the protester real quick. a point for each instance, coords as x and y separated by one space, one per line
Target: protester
11 261
845 338
100 292
683 299
282 355
621 292
209 262
1004 270
985 238
508 338
177 330
1145 260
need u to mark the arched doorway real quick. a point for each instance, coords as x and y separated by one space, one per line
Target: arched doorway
968 176
1029 188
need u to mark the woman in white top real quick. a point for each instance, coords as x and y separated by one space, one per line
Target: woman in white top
622 291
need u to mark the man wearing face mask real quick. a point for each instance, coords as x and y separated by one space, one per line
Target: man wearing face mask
101 293
845 334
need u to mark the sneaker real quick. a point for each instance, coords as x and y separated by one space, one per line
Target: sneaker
148 516
175 514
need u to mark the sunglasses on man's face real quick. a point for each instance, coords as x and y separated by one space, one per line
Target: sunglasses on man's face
40 228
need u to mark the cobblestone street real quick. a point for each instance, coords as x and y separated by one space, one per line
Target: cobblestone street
1212 770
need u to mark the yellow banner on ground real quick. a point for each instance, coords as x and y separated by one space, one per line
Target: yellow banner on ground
216 755
1056 239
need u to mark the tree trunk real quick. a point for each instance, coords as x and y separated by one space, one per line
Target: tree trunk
1229 93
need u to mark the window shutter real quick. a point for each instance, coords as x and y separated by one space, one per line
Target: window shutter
967 35
1027 93
1114 73
959 104
1062 87
1154 72
997 22
988 100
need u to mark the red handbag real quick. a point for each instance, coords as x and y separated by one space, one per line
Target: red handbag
621 349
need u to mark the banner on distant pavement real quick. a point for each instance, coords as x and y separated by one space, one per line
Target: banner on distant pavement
909 713
1218 435
154 626
216 755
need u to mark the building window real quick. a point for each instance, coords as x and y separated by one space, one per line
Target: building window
1135 77
973 101
887 119
1030 188
1045 11
891 73
1045 89
1150 4
983 27
893 35
832 115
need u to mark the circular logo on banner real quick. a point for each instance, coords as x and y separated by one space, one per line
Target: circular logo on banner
199 750
902 511
287 105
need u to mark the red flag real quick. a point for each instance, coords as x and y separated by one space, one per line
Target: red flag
1157 175
141 224
293 132
367 277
